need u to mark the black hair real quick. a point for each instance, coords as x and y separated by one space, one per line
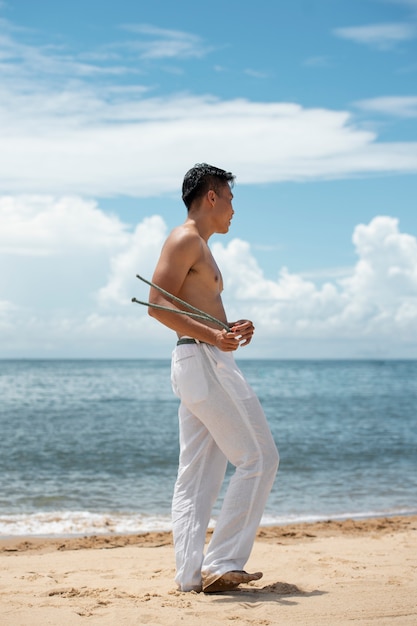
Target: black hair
200 179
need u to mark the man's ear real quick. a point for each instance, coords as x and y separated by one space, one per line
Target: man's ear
211 195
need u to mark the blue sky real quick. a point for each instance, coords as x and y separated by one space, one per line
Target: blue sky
313 105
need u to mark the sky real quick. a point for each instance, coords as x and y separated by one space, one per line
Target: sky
312 104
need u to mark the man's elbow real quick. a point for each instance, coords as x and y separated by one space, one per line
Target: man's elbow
152 312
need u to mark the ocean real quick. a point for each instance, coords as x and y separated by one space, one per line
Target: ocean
91 446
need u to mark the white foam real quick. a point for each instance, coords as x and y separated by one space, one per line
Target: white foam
67 523
80 523
281 520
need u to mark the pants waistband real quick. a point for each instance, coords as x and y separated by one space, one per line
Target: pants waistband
184 340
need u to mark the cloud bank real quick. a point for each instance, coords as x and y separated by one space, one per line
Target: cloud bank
89 124
142 148
381 36
396 106
69 294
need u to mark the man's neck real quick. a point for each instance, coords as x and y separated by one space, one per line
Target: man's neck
200 224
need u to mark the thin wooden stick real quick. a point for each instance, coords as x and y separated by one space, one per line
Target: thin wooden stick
196 313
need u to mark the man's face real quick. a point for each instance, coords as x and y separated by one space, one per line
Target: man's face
223 209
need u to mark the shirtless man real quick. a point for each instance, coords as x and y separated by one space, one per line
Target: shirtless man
220 418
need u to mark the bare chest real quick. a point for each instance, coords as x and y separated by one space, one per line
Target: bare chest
208 272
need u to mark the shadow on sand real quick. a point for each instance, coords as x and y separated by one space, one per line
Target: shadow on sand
276 592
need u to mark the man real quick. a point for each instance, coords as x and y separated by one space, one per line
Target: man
220 417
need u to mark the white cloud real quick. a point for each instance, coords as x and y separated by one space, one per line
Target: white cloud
139 256
66 134
57 253
165 43
21 63
398 106
48 226
256 73
412 4
71 272
63 152
377 301
381 36
386 273
68 290
317 61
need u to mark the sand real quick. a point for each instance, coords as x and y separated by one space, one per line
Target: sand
327 573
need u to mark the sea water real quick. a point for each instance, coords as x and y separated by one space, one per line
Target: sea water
92 446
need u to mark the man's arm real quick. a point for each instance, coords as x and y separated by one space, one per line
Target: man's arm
179 254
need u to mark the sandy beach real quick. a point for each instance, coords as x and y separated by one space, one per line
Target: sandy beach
325 573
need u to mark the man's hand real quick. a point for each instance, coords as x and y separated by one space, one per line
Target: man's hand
245 329
240 334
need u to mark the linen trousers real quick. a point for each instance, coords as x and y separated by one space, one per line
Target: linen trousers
220 420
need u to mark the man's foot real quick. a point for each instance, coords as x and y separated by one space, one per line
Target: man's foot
230 580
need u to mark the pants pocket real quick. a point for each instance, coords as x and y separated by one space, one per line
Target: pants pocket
188 378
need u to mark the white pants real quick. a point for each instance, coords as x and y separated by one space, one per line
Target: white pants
220 420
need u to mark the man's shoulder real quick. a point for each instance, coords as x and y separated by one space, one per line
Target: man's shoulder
183 236
184 245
